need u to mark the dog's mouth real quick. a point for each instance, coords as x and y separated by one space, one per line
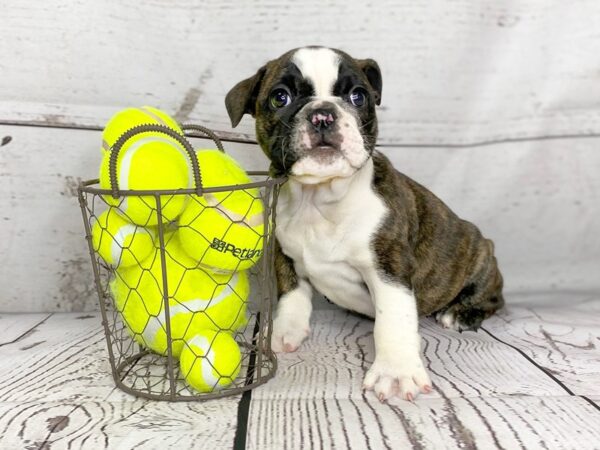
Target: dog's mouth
321 150
324 144
324 148
324 153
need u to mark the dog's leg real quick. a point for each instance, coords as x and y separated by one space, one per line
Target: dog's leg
291 322
466 313
398 367
478 300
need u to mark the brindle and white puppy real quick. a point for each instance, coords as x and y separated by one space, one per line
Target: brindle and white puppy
350 226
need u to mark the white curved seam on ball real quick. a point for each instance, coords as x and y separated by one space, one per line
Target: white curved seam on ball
130 153
155 323
145 109
118 243
253 221
153 116
208 371
126 163
183 153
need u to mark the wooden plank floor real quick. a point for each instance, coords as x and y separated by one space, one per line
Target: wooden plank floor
529 379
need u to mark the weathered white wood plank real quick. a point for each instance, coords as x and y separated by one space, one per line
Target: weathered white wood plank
454 72
340 350
58 393
65 360
522 195
121 424
457 423
486 396
564 339
56 390
14 327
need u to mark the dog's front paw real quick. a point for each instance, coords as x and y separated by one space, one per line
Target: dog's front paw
404 377
288 333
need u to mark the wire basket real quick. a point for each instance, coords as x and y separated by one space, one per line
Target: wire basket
154 295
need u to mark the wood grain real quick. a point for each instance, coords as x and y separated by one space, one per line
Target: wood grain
18 326
563 339
486 396
135 424
56 392
459 72
472 423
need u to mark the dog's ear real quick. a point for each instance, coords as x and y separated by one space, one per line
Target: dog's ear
371 70
241 99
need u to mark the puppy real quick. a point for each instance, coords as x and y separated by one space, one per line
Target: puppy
352 227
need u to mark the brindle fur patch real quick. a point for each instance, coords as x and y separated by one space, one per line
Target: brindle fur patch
425 246
286 276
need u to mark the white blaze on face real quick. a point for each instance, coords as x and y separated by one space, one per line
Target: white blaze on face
320 66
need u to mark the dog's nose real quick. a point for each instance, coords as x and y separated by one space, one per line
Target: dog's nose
322 119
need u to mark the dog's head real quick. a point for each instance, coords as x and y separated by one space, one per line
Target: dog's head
314 110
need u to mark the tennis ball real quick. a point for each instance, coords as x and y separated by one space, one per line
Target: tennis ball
223 230
197 299
120 243
210 360
131 117
149 161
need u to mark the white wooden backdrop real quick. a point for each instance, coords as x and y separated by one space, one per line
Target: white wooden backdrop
493 105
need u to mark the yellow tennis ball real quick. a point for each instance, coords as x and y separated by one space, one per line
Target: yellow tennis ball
119 242
223 230
149 161
131 117
210 360
197 299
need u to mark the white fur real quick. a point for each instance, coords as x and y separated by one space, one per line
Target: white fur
397 363
448 320
291 323
319 66
321 228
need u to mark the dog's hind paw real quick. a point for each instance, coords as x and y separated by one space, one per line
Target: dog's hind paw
457 320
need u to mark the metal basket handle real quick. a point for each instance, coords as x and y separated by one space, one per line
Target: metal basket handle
116 148
205 131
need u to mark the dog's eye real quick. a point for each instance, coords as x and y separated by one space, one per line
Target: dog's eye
357 96
280 97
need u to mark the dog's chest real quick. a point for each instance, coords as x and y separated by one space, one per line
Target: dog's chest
328 232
